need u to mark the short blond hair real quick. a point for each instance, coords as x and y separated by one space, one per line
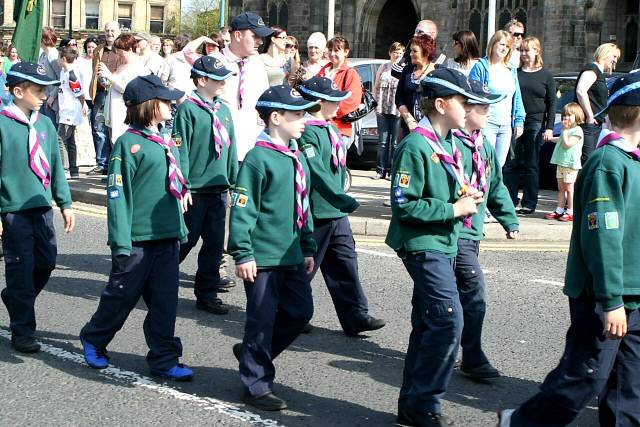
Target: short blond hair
496 38
605 50
534 43
575 109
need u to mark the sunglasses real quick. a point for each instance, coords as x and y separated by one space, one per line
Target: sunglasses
290 46
517 34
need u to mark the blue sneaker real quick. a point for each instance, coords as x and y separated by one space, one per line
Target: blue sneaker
95 358
179 372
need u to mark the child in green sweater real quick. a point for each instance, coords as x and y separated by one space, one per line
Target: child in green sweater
31 174
271 242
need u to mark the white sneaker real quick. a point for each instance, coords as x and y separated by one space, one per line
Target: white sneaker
67 175
504 417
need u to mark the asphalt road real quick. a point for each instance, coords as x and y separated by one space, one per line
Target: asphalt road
327 378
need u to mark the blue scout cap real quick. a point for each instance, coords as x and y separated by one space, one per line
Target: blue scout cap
284 97
210 67
482 91
443 82
251 21
322 88
625 90
28 71
144 88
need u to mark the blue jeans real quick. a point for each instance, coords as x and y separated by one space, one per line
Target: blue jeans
388 125
436 328
100 131
523 169
499 136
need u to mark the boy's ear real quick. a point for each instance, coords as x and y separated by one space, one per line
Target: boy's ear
274 118
440 104
17 92
202 81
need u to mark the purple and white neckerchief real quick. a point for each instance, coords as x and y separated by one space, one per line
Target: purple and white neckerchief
37 159
241 80
615 139
338 154
474 141
177 183
302 193
220 134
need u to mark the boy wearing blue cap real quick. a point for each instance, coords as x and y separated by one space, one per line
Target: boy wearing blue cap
429 199
144 213
204 134
31 174
336 255
602 351
271 242
483 173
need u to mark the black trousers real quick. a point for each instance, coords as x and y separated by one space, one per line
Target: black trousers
30 250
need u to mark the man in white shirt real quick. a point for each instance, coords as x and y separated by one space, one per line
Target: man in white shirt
242 90
150 59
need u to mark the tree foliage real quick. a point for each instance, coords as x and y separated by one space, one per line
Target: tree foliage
201 17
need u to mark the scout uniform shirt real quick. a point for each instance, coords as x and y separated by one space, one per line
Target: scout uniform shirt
422 198
497 197
20 187
193 134
139 205
605 242
328 199
263 214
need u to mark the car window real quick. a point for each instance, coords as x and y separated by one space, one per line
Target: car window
366 75
565 92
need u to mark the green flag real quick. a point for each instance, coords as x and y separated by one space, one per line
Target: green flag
28 33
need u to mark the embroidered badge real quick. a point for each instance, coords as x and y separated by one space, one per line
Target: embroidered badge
119 180
435 158
234 198
114 193
135 148
404 180
242 200
592 221
111 180
178 140
599 199
295 94
399 196
40 70
310 152
611 221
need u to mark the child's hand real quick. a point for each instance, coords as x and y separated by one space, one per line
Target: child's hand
615 323
519 131
548 135
467 205
308 263
247 271
512 235
186 202
69 220
0 228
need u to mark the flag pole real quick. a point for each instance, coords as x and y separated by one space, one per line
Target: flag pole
331 19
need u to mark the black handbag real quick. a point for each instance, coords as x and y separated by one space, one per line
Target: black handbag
367 105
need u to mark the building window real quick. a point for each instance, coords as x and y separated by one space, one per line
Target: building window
125 15
91 10
156 22
278 13
58 13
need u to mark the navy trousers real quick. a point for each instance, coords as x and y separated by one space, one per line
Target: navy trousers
336 257
591 366
471 285
30 250
206 219
436 327
279 305
151 271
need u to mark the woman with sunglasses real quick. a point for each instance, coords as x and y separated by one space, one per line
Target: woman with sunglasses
274 58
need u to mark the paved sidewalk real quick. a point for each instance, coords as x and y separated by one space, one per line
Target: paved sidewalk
372 218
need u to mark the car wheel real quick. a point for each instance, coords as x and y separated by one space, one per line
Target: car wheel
347 181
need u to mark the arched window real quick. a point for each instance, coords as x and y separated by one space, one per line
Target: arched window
475 24
278 13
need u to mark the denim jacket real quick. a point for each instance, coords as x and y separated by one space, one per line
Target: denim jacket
480 72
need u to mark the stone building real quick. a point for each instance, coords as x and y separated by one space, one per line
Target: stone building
570 30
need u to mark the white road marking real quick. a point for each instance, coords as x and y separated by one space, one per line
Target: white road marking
207 403
548 282
377 253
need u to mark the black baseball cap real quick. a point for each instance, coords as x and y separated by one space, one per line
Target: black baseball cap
443 82
482 91
251 21
29 72
284 97
322 88
144 88
625 90
210 67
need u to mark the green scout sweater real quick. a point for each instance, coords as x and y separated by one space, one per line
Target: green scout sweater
263 216
194 137
20 188
422 198
497 199
328 199
605 241
139 205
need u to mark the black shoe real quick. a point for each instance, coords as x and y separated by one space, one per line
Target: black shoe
25 344
423 419
98 170
215 307
225 283
307 328
526 211
480 373
371 324
237 350
403 419
5 299
265 402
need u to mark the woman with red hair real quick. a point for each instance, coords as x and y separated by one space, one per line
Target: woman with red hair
408 97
